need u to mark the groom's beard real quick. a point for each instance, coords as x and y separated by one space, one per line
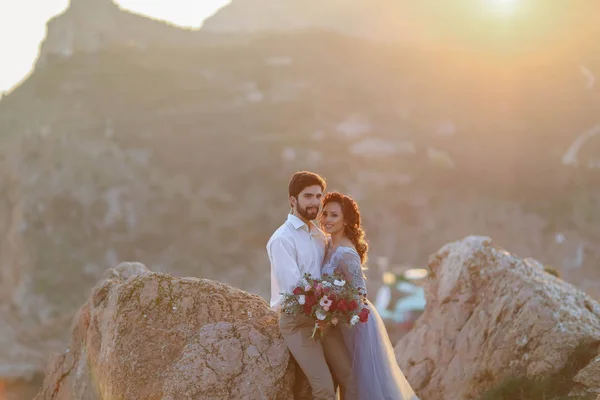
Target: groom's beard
310 213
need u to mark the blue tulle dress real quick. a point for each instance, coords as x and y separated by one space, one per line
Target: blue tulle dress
373 360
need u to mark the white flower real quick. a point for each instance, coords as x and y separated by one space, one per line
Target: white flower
321 315
325 302
301 299
327 284
339 283
354 320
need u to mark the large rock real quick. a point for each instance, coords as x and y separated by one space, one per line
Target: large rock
491 315
144 335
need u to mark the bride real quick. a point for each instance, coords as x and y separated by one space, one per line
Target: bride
373 361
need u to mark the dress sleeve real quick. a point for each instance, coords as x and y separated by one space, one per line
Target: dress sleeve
350 264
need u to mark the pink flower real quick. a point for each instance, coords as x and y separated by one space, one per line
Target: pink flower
325 302
334 321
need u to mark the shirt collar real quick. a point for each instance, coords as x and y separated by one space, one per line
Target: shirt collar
297 223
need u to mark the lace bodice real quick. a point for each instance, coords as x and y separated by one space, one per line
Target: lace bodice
348 260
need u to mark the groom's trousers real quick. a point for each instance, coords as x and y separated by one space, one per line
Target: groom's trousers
319 358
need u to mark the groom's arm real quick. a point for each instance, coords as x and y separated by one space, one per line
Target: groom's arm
282 255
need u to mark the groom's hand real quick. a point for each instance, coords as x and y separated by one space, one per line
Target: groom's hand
327 329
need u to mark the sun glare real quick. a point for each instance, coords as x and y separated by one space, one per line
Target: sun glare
503 7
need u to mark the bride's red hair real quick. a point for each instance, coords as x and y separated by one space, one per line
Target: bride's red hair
352 229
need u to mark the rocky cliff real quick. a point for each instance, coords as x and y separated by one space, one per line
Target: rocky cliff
88 26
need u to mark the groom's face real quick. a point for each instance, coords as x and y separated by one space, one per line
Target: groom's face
308 202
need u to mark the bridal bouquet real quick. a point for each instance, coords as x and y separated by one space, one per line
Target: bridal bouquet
329 300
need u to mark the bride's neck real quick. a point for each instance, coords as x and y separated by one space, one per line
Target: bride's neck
337 239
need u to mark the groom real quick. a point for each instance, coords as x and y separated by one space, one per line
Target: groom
298 247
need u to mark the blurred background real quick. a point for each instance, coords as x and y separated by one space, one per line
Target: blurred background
166 133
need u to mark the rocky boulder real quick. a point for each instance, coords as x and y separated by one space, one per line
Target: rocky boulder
144 335
492 316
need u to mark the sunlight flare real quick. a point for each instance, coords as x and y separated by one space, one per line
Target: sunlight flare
503 7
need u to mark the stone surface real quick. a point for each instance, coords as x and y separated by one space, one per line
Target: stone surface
491 314
144 335
589 377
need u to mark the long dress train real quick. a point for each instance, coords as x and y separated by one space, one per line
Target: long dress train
373 360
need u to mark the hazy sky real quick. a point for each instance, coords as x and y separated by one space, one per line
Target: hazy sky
23 26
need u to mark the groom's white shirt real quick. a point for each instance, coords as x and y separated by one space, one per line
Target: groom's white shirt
294 249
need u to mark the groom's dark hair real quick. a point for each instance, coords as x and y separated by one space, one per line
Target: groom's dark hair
303 179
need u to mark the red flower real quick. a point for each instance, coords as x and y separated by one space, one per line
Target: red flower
307 309
342 306
298 291
333 305
310 300
353 305
364 314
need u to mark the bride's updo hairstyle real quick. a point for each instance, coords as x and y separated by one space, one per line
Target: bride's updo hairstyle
352 227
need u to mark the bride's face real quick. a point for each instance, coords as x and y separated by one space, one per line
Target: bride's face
332 219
